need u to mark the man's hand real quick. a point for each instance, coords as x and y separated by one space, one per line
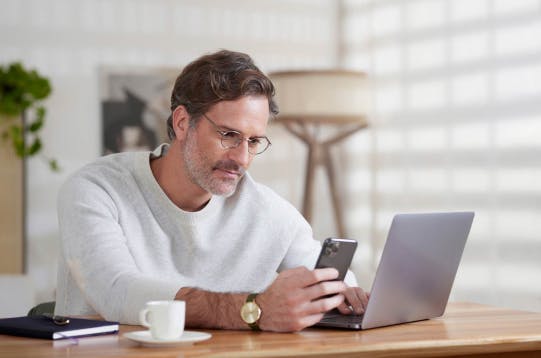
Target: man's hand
298 298
355 301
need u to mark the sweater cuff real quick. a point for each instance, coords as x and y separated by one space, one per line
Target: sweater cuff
350 279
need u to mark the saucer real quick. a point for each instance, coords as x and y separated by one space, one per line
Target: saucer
146 339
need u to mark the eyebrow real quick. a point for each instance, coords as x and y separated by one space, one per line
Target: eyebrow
229 129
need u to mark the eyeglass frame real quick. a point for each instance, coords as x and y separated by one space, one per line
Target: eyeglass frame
241 138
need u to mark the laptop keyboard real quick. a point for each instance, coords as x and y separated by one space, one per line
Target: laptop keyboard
336 316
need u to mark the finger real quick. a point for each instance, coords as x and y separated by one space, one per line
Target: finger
310 320
324 288
325 274
302 322
324 304
345 308
355 296
308 277
357 299
365 296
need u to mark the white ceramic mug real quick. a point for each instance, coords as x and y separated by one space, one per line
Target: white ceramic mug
164 318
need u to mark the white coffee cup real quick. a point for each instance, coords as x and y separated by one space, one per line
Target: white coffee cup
164 318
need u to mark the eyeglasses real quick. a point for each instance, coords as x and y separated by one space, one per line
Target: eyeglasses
232 139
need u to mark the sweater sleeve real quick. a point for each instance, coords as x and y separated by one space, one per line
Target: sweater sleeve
97 256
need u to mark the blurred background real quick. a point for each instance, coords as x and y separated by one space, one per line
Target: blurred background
454 118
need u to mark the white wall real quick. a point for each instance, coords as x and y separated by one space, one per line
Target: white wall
69 40
457 126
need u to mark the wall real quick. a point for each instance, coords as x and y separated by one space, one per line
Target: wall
70 41
456 126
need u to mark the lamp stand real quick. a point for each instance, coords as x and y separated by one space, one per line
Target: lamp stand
319 153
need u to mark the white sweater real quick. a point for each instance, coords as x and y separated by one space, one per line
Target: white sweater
125 243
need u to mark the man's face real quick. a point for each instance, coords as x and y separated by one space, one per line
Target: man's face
208 164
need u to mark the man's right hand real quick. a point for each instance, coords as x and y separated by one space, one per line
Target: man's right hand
298 298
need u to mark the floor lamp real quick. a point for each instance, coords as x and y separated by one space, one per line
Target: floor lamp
310 100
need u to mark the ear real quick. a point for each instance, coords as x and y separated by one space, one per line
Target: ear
181 122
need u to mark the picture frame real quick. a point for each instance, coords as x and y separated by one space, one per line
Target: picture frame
135 105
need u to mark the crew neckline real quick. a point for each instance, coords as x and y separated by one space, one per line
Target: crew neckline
157 197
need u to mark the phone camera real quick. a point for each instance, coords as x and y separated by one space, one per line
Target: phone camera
332 249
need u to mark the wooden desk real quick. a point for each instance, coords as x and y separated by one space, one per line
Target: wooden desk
466 329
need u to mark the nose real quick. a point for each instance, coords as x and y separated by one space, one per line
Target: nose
241 155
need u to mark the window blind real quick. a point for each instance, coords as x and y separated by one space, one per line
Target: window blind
456 125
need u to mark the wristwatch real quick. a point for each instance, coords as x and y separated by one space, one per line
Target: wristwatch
251 312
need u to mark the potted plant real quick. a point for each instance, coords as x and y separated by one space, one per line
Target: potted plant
22 114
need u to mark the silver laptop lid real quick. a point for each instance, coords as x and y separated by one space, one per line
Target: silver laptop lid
417 268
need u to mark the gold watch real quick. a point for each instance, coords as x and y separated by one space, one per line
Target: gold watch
251 312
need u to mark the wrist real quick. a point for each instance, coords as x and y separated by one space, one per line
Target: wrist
263 319
250 312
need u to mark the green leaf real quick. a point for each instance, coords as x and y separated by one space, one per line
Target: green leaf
34 148
21 89
21 93
40 112
36 125
53 165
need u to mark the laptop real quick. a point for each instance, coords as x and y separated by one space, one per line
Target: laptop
416 271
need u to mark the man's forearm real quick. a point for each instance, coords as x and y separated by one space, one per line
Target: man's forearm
206 309
296 299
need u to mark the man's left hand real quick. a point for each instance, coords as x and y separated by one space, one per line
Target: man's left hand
355 301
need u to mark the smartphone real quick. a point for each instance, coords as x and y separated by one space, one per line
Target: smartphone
337 253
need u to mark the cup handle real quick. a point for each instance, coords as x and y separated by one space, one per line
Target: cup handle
143 317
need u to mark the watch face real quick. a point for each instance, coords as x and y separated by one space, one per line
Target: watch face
250 312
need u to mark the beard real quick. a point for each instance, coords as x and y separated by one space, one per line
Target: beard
201 169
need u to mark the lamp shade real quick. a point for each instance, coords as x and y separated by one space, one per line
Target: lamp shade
322 95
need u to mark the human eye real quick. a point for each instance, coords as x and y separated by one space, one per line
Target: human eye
254 142
230 134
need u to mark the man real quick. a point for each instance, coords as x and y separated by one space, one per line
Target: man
188 222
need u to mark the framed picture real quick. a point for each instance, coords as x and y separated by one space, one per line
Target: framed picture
135 105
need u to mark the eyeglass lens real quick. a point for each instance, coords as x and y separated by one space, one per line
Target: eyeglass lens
232 139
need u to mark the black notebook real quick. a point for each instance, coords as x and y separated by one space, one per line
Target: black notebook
43 327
